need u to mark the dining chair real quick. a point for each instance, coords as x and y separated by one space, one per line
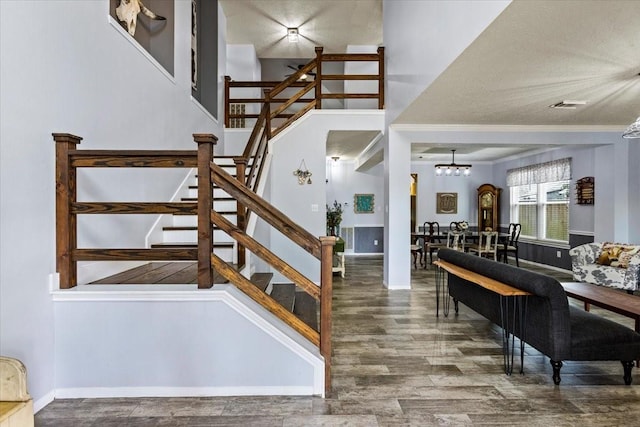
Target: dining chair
487 245
433 241
417 249
456 240
512 243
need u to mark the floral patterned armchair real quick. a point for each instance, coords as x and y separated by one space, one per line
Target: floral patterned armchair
608 264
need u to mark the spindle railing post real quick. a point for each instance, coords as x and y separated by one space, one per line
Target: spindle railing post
318 79
227 105
66 220
381 77
205 143
326 295
241 168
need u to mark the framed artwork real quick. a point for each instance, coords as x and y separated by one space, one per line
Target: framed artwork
446 203
363 203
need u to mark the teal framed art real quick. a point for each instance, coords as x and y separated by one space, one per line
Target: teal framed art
363 203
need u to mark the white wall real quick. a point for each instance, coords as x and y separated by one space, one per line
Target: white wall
422 38
243 65
72 71
429 185
305 204
177 343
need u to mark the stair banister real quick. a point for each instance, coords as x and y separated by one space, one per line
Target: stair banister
205 203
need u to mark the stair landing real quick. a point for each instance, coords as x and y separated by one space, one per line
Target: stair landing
159 273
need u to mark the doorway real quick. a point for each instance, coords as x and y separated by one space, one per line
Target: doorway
413 194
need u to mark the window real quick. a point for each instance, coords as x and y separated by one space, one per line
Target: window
542 209
540 199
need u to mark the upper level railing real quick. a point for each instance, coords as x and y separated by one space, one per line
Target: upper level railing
278 111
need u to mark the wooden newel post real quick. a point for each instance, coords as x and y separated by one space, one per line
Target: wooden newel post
205 142
326 295
241 171
318 79
66 224
381 78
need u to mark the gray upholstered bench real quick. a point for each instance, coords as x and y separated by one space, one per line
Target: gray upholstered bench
556 329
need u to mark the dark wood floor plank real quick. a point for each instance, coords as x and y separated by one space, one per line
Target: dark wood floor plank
127 275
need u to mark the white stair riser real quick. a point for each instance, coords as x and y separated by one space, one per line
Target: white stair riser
191 236
192 220
217 192
225 253
225 205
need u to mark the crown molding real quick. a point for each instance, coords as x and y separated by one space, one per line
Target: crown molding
402 127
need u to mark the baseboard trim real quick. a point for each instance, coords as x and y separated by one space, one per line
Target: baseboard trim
104 392
43 401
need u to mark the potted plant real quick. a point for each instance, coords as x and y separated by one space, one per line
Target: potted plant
334 217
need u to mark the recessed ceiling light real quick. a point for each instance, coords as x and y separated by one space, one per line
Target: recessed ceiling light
567 104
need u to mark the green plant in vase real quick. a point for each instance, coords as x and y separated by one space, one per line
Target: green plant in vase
334 217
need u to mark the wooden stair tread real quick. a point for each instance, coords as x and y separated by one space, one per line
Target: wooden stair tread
185 228
163 273
285 294
189 245
306 308
261 280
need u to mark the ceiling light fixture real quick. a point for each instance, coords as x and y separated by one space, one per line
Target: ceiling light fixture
453 168
633 131
567 105
292 35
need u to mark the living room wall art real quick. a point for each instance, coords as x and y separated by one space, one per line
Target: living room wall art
151 25
363 203
446 203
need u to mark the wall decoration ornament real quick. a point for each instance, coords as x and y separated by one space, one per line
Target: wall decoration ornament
446 203
194 45
584 191
128 12
303 174
363 203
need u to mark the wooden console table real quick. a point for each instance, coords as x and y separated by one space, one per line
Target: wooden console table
507 293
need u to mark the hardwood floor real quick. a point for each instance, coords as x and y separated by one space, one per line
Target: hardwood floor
396 364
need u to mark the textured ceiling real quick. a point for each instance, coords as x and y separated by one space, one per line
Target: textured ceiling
332 24
534 54
538 53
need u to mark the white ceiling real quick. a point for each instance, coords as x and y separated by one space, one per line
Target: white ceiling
534 54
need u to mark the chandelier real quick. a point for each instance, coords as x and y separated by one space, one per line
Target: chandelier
453 168
633 131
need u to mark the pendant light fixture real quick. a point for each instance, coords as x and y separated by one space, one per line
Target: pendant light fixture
453 168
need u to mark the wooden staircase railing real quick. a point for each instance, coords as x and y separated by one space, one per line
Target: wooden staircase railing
321 248
251 163
69 159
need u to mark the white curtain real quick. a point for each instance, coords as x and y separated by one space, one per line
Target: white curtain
556 170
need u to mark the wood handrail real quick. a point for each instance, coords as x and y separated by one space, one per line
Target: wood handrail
264 253
266 211
69 159
275 88
264 299
134 207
